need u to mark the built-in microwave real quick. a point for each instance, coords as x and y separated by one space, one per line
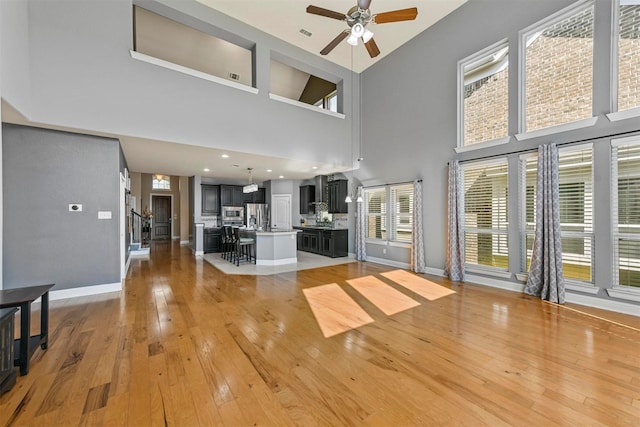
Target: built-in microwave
232 215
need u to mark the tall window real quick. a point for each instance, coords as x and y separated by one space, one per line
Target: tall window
486 214
161 182
394 224
558 69
628 26
626 212
485 95
575 187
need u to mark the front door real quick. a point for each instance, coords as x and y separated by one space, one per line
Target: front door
281 211
161 217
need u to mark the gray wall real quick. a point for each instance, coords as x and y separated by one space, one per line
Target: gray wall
417 119
81 75
43 172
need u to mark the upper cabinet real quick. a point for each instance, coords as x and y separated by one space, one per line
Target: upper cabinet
231 195
307 197
255 197
337 194
210 199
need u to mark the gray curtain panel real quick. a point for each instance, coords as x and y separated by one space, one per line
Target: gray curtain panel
545 274
454 263
361 232
418 263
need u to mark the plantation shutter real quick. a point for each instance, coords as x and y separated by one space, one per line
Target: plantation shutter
402 212
576 211
626 213
376 213
485 213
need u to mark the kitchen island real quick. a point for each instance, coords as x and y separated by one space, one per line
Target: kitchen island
275 247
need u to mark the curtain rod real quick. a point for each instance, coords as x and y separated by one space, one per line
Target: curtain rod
532 150
393 183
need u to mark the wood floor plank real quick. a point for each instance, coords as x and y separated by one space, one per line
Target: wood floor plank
185 344
334 310
417 284
383 296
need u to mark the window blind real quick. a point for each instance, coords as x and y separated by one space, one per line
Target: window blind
486 213
626 214
376 208
402 213
528 176
575 185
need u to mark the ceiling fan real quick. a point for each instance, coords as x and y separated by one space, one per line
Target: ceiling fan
357 18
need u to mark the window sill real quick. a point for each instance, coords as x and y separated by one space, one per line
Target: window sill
581 287
481 145
578 124
487 271
190 71
623 293
306 106
623 115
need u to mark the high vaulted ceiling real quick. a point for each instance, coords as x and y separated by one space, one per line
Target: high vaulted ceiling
285 18
282 19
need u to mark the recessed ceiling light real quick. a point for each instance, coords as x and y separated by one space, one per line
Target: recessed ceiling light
206 169
236 166
225 156
281 176
314 167
269 170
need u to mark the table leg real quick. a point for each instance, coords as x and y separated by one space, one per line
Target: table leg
44 321
25 335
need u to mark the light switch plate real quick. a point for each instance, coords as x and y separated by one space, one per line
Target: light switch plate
75 207
104 214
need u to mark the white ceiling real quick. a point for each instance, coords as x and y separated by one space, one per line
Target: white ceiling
282 19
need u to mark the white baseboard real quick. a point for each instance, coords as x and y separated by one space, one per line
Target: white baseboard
388 262
85 291
198 253
435 271
184 243
494 283
175 238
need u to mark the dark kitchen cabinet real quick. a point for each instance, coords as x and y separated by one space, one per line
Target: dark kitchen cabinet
307 197
210 200
212 240
331 243
231 195
334 243
337 194
255 197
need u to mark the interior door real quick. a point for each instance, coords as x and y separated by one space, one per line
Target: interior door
161 217
281 211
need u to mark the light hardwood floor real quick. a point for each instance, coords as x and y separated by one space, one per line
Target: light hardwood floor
187 345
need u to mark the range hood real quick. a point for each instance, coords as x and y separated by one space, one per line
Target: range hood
322 189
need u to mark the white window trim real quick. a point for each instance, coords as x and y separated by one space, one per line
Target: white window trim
552 130
479 268
310 107
619 291
522 54
460 93
485 144
630 113
190 71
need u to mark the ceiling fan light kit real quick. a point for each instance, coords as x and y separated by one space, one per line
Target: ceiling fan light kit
357 18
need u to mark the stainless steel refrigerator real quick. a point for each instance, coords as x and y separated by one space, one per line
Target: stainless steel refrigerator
257 216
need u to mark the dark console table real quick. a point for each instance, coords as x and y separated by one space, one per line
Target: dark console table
22 298
7 371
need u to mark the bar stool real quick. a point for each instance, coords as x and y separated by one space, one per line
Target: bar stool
227 242
244 246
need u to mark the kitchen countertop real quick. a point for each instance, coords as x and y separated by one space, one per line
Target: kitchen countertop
317 227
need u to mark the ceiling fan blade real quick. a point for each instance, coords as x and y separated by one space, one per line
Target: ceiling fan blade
315 10
372 48
364 4
395 15
335 42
